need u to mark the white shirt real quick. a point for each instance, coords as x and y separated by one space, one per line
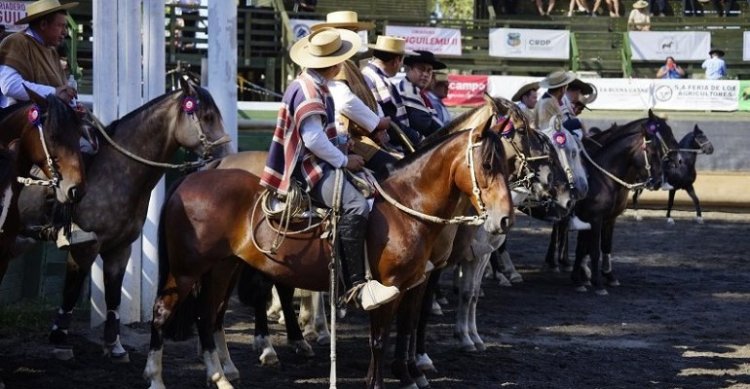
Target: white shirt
11 83
348 104
317 142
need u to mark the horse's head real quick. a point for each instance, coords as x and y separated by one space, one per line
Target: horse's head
700 141
50 139
199 127
485 180
660 148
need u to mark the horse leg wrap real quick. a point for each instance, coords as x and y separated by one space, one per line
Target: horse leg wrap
59 334
111 328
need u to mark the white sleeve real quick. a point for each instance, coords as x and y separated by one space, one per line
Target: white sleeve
317 142
11 85
351 106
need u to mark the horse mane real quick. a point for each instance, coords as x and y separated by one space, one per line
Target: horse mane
59 115
7 168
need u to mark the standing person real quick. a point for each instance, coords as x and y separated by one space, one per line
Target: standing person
639 20
358 115
190 15
29 58
422 115
526 99
715 67
304 150
436 92
670 69
388 57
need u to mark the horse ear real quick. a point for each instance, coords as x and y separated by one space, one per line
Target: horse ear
13 146
187 87
36 98
651 114
696 129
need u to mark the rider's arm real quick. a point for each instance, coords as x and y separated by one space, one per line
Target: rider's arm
348 104
11 85
317 142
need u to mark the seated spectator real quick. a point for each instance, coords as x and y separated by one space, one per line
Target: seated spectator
693 7
541 10
581 4
613 5
670 70
716 68
638 20
659 7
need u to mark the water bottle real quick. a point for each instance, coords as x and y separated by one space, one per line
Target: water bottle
73 84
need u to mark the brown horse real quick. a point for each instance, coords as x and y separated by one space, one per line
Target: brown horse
44 132
209 217
121 178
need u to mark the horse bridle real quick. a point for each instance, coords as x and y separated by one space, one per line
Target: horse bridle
189 106
474 220
36 117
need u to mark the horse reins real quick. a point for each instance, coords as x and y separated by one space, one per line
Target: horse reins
616 179
189 106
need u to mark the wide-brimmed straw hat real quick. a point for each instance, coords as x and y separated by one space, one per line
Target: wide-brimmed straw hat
40 8
424 56
343 19
325 47
391 44
640 4
524 90
720 53
557 79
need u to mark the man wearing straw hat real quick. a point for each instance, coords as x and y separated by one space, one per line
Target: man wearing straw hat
304 149
30 57
526 99
358 115
388 56
639 20
413 88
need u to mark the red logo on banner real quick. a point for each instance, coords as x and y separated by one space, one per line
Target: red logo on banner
465 90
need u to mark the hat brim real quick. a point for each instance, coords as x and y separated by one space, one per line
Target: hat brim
584 87
719 52
378 48
359 26
62 7
436 65
640 5
350 44
524 90
569 77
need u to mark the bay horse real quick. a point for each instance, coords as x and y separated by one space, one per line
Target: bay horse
682 174
210 215
43 132
121 177
618 160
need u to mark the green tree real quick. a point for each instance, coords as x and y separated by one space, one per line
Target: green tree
455 9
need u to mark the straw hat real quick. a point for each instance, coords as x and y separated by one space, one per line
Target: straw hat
524 90
424 57
343 19
391 44
584 87
557 79
640 4
325 47
40 8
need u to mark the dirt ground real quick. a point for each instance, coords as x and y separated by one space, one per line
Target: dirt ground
677 321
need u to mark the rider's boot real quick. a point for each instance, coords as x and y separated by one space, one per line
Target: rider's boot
352 230
77 236
576 224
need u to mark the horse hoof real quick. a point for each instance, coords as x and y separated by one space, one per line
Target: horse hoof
63 354
613 283
587 283
324 340
442 301
301 347
232 375
581 289
120 358
699 219
269 359
469 348
601 292
424 363
516 278
480 346
670 221
422 382
410 386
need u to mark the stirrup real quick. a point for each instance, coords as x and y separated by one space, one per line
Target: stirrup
576 224
77 236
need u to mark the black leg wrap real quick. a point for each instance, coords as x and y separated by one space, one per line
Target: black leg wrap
59 336
111 328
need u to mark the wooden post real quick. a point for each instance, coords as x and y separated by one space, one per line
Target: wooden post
222 62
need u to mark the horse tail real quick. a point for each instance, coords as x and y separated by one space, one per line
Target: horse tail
180 326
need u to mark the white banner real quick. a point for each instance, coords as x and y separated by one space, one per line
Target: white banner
440 41
688 95
10 11
301 28
528 43
622 93
658 45
746 46
507 86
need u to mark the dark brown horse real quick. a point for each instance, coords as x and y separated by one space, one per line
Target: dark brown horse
619 159
121 178
44 132
209 216
682 174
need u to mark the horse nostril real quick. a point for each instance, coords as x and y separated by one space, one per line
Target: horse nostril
75 194
505 223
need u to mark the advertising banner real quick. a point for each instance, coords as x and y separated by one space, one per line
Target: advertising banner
507 86
658 45
440 41
301 28
465 90
622 93
529 43
687 94
746 46
743 95
10 11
